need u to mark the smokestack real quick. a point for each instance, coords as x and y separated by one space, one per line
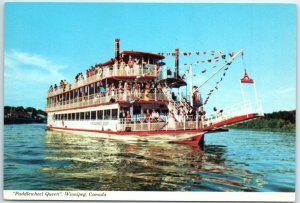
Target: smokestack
117 49
176 74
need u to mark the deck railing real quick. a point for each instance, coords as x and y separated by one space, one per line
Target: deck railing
159 123
95 99
244 108
106 72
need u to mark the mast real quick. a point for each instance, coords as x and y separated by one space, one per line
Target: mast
176 74
191 84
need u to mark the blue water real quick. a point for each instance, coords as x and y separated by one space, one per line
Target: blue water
238 160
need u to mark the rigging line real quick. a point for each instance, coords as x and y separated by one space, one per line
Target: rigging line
227 63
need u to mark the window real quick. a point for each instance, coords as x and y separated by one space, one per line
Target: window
66 117
107 114
100 115
87 115
77 116
93 115
73 116
114 114
69 116
81 115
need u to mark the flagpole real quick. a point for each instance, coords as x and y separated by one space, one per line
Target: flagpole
191 84
229 61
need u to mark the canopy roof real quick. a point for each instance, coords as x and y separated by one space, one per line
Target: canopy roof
140 53
173 82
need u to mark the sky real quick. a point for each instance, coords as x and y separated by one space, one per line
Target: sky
47 42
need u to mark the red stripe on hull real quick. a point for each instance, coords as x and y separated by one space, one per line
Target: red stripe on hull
141 133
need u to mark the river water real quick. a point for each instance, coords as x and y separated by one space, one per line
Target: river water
238 160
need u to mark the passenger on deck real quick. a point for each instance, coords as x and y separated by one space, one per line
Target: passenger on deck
154 116
135 90
148 116
147 92
122 115
136 67
115 67
122 68
128 117
202 113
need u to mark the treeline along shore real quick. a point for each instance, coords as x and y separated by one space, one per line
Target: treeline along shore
281 121
21 115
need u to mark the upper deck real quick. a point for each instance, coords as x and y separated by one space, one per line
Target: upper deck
129 73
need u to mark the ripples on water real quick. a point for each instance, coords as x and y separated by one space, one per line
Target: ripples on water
37 159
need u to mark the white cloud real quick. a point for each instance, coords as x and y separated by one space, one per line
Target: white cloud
28 76
31 67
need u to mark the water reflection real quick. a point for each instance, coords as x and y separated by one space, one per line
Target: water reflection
86 163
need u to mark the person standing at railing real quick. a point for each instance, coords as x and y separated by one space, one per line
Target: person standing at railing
122 116
135 90
202 116
115 67
154 116
122 68
148 115
147 91
128 117
136 67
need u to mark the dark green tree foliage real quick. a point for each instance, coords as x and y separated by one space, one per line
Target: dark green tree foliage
283 121
23 115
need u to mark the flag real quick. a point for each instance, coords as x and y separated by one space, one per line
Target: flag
228 63
224 74
226 68
216 57
212 52
224 56
231 54
204 52
197 52
203 71
184 53
203 61
197 62
189 53
214 66
209 60
173 54
220 52
216 87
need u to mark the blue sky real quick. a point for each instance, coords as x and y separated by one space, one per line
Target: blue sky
47 42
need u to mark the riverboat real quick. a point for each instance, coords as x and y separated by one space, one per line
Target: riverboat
129 98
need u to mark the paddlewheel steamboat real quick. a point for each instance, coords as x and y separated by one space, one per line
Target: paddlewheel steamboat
130 98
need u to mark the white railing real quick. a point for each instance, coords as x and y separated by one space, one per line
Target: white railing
159 123
139 71
244 108
95 99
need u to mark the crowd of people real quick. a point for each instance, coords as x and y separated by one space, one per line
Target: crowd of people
153 116
119 67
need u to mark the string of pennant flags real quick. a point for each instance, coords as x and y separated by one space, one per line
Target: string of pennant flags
216 87
198 53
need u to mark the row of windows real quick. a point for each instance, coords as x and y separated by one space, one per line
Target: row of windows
109 114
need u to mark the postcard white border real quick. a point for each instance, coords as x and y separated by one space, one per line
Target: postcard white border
159 196
149 196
